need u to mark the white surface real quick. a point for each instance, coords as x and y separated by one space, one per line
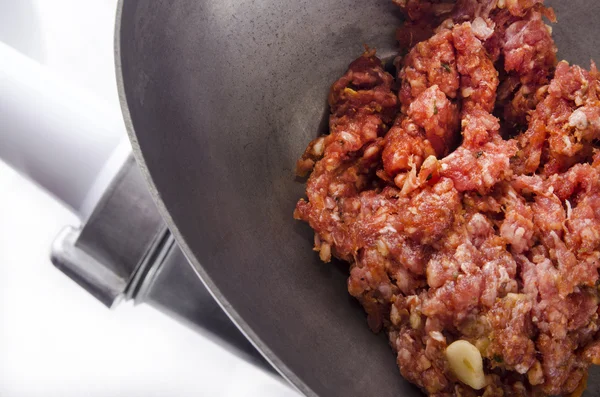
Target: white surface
56 340
52 131
73 38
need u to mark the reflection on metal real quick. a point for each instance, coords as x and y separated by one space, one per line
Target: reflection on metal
125 252
84 269
105 255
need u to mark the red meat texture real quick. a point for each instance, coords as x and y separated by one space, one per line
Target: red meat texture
464 193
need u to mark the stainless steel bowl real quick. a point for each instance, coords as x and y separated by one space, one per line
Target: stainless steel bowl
221 97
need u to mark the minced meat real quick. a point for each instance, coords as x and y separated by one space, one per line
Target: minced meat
464 192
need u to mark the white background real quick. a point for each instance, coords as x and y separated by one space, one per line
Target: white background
55 339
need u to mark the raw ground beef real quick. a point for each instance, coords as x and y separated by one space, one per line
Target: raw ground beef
467 202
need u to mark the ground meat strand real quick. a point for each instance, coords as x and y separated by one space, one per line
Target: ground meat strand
362 104
478 77
564 125
512 31
529 58
429 63
422 17
427 130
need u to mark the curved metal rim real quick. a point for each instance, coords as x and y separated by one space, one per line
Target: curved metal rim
256 341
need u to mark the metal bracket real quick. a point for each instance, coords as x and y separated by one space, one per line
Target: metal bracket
105 256
125 252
